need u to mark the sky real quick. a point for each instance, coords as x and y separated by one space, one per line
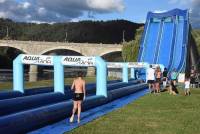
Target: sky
51 11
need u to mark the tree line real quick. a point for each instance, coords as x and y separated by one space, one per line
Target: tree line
196 35
84 31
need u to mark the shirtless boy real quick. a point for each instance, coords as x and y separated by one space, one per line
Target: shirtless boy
79 95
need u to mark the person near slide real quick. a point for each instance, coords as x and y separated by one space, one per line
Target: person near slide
158 75
193 77
78 87
174 76
187 86
165 78
151 79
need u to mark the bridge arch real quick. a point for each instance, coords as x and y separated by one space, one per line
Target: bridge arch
15 47
60 48
8 54
113 56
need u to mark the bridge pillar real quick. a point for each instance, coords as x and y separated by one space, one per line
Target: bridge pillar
33 71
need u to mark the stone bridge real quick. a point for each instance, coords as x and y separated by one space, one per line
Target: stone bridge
42 48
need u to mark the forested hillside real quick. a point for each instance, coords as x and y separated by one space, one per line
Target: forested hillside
196 35
83 31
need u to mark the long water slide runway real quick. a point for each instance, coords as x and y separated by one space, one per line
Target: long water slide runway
29 113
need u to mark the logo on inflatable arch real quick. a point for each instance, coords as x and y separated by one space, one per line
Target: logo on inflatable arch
137 64
115 64
37 59
78 61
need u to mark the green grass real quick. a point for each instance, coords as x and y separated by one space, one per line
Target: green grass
151 114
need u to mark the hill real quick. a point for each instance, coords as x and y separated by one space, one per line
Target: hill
83 31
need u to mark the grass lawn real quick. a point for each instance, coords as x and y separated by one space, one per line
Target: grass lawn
151 114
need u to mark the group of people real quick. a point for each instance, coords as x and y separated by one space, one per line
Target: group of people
155 77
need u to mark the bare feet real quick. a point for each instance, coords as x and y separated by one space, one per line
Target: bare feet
78 120
71 119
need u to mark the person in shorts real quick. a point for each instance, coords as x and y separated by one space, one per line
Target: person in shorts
192 77
151 78
78 87
174 76
187 86
165 78
158 75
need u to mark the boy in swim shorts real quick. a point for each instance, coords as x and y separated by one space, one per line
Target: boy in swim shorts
79 95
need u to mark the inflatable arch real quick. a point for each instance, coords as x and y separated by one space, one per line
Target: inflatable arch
132 65
122 65
18 69
59 62
137 65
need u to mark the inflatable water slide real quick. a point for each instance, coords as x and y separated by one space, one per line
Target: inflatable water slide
166 40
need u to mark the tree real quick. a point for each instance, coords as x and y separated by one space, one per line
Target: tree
130 49
196 35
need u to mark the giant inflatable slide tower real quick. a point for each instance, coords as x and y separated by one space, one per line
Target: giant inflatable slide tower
166 40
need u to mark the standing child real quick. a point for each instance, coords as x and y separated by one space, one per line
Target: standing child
187 86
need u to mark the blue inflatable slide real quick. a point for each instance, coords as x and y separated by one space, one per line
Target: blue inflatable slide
166 39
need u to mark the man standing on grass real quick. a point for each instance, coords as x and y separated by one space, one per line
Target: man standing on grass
165 78
193 77
151 78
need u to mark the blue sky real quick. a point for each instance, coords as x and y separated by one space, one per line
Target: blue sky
75 10
136 10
